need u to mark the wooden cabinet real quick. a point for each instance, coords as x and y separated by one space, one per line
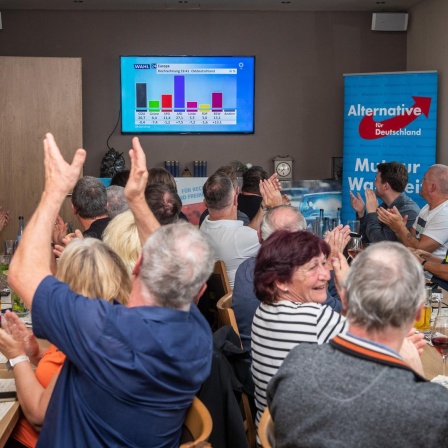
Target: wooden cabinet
37 95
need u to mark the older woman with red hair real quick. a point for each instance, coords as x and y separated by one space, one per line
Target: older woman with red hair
291 277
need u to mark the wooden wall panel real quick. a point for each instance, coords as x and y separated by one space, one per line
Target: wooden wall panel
37 95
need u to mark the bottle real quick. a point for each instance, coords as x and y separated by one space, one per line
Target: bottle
338 217
326 228
19 233
321 222
21 227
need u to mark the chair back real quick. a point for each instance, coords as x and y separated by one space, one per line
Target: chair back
266 430
218 283
226 313
217 286
197 425
227 317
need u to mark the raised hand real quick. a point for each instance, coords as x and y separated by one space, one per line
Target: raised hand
371 201
270 192
12 325
357 204
138 177
338 238
340 268
59 230
60 176
391 218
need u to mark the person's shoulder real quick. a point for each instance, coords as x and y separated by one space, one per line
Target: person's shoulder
50 282
409 202
304 353
245 230
246 266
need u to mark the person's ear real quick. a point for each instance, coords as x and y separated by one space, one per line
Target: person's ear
138 265
200 293
282 286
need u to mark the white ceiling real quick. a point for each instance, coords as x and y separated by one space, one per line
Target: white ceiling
216 5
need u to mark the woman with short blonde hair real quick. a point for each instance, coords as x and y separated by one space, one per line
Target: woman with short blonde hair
122 236
92 269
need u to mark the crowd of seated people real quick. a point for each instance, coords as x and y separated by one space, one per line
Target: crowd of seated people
130 372
357 390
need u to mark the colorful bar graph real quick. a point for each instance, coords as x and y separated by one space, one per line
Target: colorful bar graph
140 94
154 106
167 103
179 93
192 106
217 101
180 105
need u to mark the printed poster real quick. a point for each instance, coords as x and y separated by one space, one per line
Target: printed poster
388 117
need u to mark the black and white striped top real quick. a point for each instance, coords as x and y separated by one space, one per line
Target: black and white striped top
279 327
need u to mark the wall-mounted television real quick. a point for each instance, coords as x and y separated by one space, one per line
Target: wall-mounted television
187 94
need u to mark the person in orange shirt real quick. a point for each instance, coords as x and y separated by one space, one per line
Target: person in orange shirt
90 268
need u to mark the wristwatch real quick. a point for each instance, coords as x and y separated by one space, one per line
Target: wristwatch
13 361
423 264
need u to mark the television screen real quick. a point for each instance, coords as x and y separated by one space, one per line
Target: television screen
187 94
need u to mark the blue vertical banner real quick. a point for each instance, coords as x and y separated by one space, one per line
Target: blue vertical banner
388 117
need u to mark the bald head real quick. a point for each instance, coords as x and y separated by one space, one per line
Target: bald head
438 174
283 217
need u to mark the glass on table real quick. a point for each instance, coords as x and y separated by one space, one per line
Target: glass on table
9 247
424 323
355 226
354 246
439 338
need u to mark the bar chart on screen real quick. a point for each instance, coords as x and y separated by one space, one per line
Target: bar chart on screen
212 102
188 94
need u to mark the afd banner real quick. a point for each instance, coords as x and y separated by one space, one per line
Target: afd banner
387 117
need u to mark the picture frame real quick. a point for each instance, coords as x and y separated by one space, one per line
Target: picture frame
336 168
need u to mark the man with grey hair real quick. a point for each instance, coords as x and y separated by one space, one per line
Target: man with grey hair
358 388
89 204
430 231
130 372
116 201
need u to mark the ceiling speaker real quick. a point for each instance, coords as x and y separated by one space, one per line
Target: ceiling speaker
389 21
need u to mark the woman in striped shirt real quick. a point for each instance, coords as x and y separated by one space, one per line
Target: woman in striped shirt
291 276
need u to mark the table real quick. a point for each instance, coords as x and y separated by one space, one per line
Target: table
432 362
10 419
8 422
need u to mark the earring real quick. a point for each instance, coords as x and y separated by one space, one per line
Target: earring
286 289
